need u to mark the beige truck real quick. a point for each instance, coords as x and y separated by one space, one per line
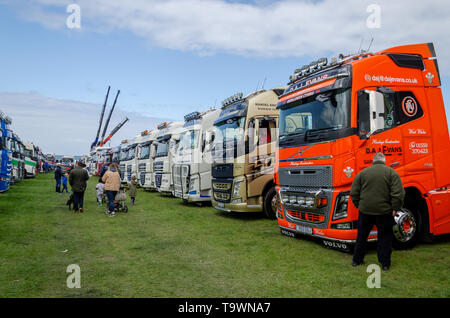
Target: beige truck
244 153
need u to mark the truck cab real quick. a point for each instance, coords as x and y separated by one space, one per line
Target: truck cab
5 153
130 163
67 163
244 153
123 157
31 160
146 154
192 168
167 139
335 115
18 163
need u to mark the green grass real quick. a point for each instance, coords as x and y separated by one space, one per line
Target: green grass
162 248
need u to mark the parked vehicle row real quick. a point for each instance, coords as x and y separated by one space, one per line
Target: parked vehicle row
293 151
18 159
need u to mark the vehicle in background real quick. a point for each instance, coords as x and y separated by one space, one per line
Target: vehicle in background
18 162
193 161
123 156
130 162
30 160
146 155
51 159
67 163
5 152
244 153
335 116
168 137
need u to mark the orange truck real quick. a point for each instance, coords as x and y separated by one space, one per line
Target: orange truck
335 115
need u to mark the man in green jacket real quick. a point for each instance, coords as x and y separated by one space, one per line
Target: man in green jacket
378 193
78 181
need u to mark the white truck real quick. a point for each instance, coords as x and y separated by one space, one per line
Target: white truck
167 142
123 158
192 169
145 158
30 160
130 163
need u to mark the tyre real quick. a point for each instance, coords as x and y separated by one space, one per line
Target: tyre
407 229
270 203
125 209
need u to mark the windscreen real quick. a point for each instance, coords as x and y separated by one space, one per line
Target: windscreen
325 110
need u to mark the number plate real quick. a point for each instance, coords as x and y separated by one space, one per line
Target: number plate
304 229
221 204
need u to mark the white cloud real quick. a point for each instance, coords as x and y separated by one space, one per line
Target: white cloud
66 126
268 29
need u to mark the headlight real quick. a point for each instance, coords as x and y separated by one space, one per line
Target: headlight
301 200
309 202
340 209
237 188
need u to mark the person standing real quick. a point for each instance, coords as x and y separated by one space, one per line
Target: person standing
64 183
132 189
78 181
378 193
111 179
58 176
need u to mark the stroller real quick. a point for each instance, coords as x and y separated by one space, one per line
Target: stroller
121 197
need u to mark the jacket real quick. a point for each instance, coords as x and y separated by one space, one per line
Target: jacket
58 173
78 179
377 190
111 178
132 189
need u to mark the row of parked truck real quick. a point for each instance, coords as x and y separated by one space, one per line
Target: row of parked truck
293 151
18 159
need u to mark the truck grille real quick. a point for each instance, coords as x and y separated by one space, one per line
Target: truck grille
142 178
318 176
221 186
305 216
122 172
222 189
158 179
222 170
129 172
158 165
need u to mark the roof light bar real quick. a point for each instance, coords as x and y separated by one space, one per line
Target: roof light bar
191 116
162 125
233 99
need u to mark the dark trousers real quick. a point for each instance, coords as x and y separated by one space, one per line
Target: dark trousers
78 200
58 185
111 196
384 225
64 188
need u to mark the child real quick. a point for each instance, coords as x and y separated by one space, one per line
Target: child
100 187
132 189
64 183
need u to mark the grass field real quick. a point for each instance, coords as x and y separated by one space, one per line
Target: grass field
162 248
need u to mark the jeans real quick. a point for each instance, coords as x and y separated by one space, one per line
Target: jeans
111 196
78 200
58 185
385 235
64 188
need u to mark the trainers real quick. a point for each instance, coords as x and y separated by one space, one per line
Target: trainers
81 210
112 214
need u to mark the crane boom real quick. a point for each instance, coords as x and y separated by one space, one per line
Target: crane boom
114 131
109 116
101 119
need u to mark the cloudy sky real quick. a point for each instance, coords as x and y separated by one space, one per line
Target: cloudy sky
170 57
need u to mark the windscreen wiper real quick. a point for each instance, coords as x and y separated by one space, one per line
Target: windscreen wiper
318 131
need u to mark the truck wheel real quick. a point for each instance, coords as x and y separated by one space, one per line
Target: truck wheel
407 229
270 203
